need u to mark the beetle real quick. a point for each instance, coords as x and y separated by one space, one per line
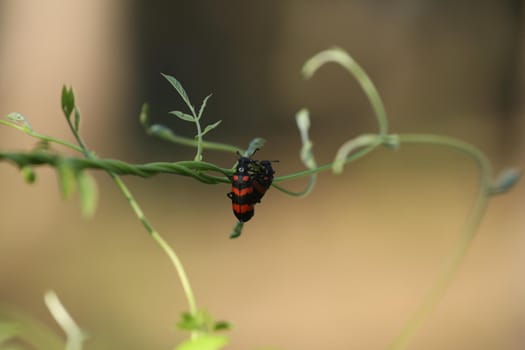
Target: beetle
242 194
262 178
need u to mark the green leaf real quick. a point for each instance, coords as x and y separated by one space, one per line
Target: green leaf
211 127
160 131
303 123
200 321
175 83
204 342
144 115
237 230
203 106
66 177
506 180
88 192
188 322
42 146
222 326
19 119
29 174
254 146
68 101
183 116
77 119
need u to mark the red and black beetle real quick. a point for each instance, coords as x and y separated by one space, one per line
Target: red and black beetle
251 180
262 179
242 190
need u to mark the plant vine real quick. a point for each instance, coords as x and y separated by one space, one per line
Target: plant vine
72 173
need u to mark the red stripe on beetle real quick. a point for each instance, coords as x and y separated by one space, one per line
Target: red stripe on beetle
242 208
241 192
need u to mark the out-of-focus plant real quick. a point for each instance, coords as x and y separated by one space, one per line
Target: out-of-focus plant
203 328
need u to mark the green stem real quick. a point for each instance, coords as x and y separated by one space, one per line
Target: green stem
74 335
165 133
40 136
471 225
198 155
177 263
338 55
328 166
465 239
185 168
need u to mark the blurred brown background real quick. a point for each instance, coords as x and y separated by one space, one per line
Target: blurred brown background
340 269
